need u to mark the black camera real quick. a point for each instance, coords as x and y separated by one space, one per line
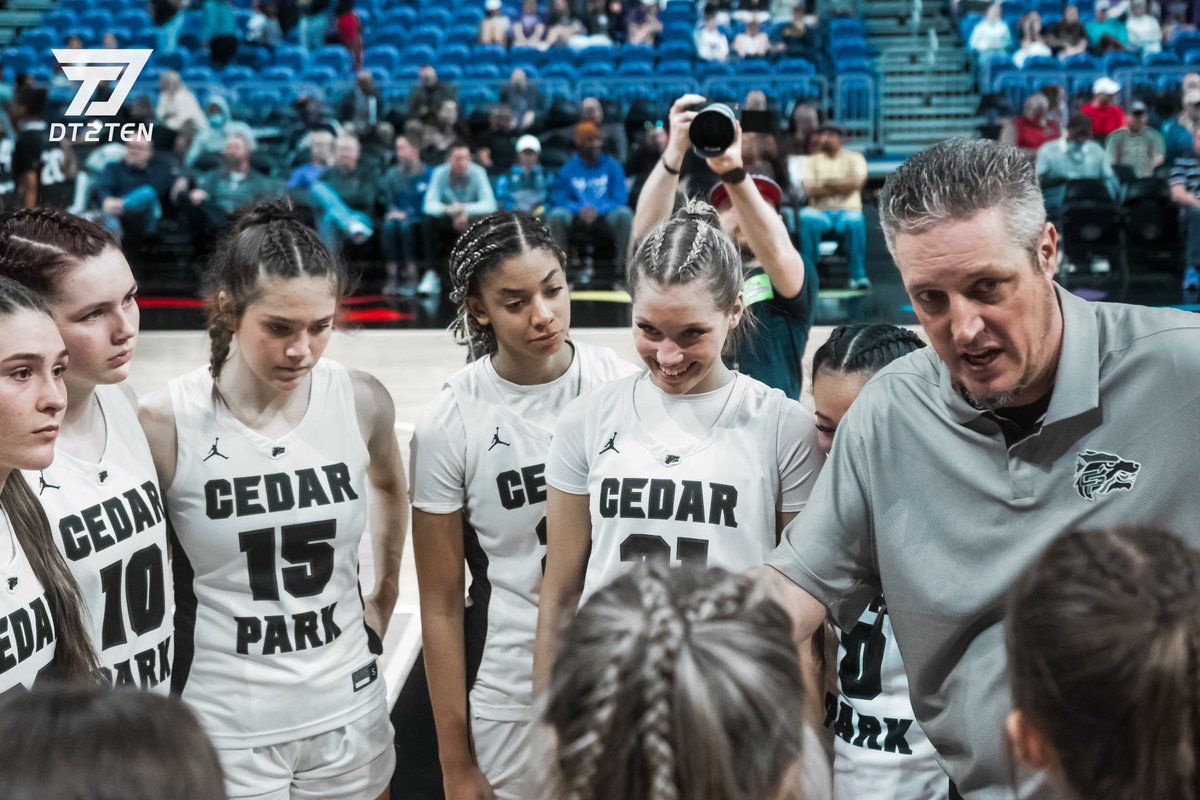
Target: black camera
714 127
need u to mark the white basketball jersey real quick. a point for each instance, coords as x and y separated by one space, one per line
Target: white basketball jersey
27 633
880 750
270 640
712 503
108 521
505 522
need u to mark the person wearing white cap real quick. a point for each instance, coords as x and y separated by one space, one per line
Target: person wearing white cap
527 183
495 27
1106 115
1107 31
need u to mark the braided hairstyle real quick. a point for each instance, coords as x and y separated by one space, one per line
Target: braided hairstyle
266 240
39 246
675 684
486 244
1103 644
852 349
692 246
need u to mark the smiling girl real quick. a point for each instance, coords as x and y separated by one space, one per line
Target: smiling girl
101 493
689 462
266 458
478 463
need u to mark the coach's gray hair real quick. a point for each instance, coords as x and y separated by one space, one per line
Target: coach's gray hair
955 180
676 684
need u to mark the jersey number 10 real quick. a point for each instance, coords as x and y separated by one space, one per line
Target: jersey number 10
305 546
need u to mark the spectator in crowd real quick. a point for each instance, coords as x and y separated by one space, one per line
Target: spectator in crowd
403 189
646 154
263 27
752 42
168 19
1033 127
616 141
799 38
444 131
991 35
218 194
530 27
1144 33
495 27
604 21
1107 32
589 198
1185 192
1069 37
1178 131
459 191
833 180
321 151
349 30
711 42
211 140
110 41
1106 115
426 99
642 23
1137 145
133 193
178 112
1077 156
43 170
523 98
345 197
496 147
798 145
526 185
220 32
1056 97
312 23
362 106
562 26
1033 43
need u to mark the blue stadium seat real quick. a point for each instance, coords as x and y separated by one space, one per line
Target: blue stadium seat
532 71
527 55
468 16
190 37
1168 84
1164 59
1081 62
1041 63
335 57
454 54
594 69
236 74
1191 57
968 23
472 97
380 75
754 66
484 71
397 15
715 69
435 15
561 69
58 19
279 74
42 39
256 57
144 39
846 26
417 56
597 54
290 56
18 59
198 75
854 65
850 48
178 61
675 69
490 54
382 56
634 53
319 75
1183 41
462 34
429 35
677 51
96 19
629 69
451 73
1119 60
795 66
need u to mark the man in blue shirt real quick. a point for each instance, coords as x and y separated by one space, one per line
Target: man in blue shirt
403 192
589 200
133 193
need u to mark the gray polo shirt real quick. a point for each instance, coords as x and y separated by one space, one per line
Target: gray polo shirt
921 500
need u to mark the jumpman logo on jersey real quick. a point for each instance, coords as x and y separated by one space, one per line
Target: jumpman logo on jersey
43 485
103 476
12 584
611 444
671 460
497 440
213 451
276 452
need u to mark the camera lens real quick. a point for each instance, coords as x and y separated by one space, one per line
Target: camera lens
712 130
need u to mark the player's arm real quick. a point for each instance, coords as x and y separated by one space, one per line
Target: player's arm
657 199
806 611
441 577
782 518
158 422
389 491
761 224
568 540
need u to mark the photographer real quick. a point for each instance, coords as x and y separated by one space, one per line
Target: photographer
778 288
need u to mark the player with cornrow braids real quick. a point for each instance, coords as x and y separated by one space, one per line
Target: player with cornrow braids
1103 640
478 457
680 684
880 750
689 462
266 458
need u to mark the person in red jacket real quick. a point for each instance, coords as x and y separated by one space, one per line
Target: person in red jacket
1106 115
1034 126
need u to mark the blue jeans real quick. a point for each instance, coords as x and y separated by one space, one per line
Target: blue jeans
850 225
336 217
398 240
140 216
168 33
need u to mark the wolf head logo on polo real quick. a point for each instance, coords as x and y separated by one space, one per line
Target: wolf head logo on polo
1099 473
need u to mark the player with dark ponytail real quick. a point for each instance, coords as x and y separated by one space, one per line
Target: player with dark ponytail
266 457
690 462
39 595
879 749
103 476
478 457
1103 639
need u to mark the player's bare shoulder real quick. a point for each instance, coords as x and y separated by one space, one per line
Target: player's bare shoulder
372 403
157 416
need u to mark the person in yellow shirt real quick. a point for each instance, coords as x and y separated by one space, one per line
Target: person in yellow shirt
833 179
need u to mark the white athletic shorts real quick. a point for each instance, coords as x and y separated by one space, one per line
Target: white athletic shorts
353 762
502 749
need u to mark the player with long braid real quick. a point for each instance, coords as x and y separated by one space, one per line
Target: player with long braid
1103 640
478 458
275 647
879 751
681 685
690 462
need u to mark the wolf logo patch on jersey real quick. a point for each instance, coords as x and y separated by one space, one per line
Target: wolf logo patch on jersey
1102 473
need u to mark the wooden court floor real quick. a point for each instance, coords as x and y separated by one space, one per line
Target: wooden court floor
413 365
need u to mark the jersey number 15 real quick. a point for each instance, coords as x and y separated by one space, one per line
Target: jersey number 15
305 546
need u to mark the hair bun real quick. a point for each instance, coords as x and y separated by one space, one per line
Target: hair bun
279 210
700 211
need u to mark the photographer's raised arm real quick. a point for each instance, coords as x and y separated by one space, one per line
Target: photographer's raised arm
657 198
